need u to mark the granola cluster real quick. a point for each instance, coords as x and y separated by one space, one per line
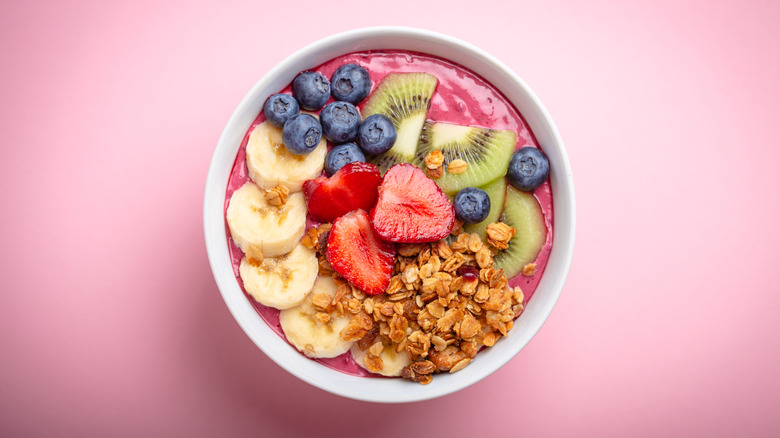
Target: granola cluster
277 196
434 163
445 301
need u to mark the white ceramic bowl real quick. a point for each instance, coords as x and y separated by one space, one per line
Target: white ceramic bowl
539 121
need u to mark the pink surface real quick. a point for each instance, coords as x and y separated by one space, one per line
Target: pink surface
110 321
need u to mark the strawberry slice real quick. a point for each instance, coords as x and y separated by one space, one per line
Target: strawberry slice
357 252
354 186
411 207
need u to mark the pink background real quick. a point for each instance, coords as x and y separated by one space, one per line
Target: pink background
110 321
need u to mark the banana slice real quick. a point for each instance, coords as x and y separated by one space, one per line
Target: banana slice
307 333
281 282
392 362
271 164
262 230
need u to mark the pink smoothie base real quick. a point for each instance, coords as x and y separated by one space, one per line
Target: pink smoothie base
461 97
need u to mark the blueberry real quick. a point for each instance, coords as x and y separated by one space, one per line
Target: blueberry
340 122
528 168
350 83
472 205
376 134
342 155
311 90
301 134
279 108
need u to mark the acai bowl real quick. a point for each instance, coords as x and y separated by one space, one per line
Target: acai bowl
471 90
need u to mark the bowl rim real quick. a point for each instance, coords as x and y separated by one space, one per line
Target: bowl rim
388 391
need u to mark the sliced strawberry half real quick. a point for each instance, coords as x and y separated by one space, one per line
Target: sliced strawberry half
357 252
411 208
354 186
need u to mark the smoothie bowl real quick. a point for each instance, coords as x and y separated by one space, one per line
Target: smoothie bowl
389 214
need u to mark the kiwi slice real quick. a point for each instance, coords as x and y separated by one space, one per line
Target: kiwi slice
405 99
523 212
496 190
486 151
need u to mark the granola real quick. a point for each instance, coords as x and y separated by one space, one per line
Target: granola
277 196
456 167
434 159
434 163
445 301
499 234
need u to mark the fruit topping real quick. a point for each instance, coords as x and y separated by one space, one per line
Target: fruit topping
411 208
377 134
301 134
311 327
496 190
350 83
280 282
263 230
342 155
528 168
322 236
429 232
473 156
472 205
279 108
354 186
405 99
522 212
311 90
340 122
381 358
270 163
359 254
